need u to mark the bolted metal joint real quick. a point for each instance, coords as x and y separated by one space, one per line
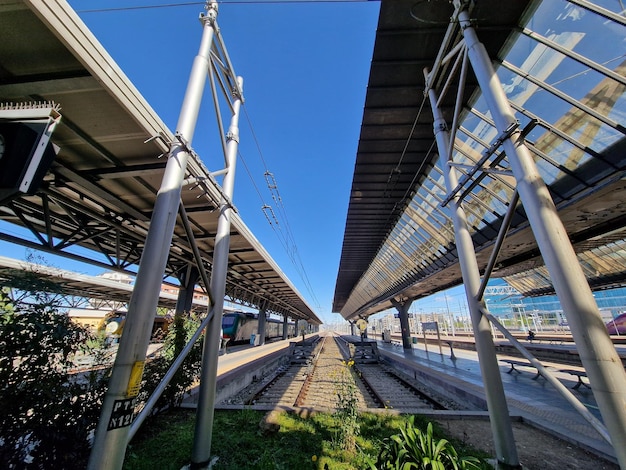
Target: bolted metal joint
470 23
464 5
211 13
230 136
183 142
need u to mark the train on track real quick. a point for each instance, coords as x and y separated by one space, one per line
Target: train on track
237 327
113 324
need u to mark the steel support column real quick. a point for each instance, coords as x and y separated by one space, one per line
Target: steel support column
285 326
206 396
597 352
261 328
185 293
167 378
117 409
403 313
506 452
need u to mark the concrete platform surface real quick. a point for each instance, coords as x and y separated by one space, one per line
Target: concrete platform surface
535 400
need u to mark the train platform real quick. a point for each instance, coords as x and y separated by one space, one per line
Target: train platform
242 364
528 396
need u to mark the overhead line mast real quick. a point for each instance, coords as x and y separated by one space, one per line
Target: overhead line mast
119 403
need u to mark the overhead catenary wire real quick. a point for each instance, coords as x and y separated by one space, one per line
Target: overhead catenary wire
276 215
392 179
282 231
223 2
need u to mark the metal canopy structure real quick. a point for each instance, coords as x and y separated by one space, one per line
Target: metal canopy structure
100 191
569 98
68 283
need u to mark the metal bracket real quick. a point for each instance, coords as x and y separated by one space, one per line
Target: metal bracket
231 136
179 137
479 165
163 138
201 181
196 181
211 13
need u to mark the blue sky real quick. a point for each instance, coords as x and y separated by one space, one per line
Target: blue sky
305 67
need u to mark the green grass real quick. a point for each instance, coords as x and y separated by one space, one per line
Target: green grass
301 442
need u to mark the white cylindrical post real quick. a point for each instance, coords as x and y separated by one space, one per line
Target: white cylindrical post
597 352
118 407
501 427
201 452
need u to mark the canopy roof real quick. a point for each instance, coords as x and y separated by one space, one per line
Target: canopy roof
569 96
16 273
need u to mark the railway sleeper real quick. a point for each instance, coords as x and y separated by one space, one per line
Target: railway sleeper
284 375
313 384
398 376
370 389
393 392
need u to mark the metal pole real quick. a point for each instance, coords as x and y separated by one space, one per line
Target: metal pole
504 228
285 326
597 352
167 378
201 452
261 327
450 315
117 409
186 291
403 313
439 339
502 430
196 253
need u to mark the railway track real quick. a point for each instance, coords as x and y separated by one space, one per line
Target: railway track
316 381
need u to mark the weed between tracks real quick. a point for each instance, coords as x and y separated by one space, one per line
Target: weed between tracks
294 442
347 415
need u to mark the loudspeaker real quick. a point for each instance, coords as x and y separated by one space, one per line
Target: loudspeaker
26 155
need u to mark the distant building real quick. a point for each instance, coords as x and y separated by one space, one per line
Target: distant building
93 316
536 313
88 318
513 310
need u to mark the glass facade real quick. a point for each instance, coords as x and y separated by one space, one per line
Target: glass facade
559 72
545 312
517 312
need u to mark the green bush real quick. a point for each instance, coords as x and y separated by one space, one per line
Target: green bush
47 413
179 333
414 449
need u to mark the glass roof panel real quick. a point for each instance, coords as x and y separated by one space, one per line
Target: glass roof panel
607 260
